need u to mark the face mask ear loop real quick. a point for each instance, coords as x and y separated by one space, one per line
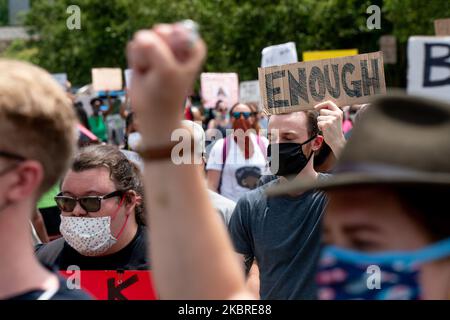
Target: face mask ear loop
126 219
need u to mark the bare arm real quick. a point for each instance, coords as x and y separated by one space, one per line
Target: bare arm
192 256
213 177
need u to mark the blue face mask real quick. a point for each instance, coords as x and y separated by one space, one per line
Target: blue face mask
346 274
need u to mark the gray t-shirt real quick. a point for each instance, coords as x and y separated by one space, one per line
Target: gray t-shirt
283 234
224 206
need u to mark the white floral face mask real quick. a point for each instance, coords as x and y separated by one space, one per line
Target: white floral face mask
89 236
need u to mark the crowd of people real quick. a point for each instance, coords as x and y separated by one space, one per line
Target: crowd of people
304 205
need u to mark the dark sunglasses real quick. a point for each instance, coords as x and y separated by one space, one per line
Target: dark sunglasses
246 115
88 203
9 155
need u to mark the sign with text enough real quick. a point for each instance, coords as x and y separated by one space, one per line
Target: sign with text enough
300 86
442 27
219 86
113 285
429 67
107 79
279 54
328 54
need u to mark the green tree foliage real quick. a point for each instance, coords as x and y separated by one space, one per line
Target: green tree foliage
235 30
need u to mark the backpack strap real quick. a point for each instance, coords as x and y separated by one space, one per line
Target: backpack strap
225 151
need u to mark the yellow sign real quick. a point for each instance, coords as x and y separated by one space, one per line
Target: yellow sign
329 54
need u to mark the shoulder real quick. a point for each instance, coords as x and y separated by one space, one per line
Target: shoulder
49 252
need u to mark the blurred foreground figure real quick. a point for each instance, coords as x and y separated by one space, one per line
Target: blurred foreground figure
192 256
37 126
386 227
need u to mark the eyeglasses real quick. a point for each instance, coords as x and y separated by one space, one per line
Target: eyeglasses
10 155
246 115
88 203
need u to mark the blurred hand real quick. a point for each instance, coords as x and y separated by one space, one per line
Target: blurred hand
165 62
329 122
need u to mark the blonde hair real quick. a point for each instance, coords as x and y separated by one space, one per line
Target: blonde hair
37 120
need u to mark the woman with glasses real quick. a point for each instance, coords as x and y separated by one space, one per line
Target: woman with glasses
102 214
237 161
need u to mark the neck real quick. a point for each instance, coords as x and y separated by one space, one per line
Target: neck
126 237
308 173
20 271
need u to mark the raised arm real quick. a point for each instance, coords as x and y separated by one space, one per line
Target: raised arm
192 256
330 123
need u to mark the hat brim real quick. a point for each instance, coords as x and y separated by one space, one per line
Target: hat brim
342 180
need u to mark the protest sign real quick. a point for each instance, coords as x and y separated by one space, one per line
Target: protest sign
442 27
388 45
128 73
429 67
249 92
107 79
300 86
219 86
279 54
61 78
328 54
112 285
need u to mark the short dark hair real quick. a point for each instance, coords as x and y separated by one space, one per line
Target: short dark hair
124 173
311 122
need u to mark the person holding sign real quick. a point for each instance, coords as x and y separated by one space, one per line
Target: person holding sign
282 234
97 121
237 161
102 214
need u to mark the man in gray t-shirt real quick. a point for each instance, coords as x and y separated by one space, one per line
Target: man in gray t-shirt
282 235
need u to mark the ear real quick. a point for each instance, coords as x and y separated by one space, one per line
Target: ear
28 179
132 199
317 143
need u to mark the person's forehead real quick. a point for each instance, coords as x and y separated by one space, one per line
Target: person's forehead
295 122
242 108
95 179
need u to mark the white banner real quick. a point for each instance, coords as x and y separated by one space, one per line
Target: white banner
279 54
429 67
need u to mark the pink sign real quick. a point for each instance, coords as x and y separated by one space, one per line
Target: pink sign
219 86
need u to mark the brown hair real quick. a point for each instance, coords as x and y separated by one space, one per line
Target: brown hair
37 119
124 173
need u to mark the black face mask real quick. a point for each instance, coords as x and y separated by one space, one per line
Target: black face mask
292 160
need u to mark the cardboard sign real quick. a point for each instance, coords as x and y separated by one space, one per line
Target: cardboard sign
442 27
429 67
300 86
388 45
219 86
328 54
279 54
113 285
128 73
249 92
61 78
107 79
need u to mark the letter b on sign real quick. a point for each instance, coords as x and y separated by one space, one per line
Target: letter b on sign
439 61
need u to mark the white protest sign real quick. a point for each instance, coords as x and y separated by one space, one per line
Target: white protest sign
61 78
107 79
302 85
219 86
249 91
279 54
128 73
429 67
